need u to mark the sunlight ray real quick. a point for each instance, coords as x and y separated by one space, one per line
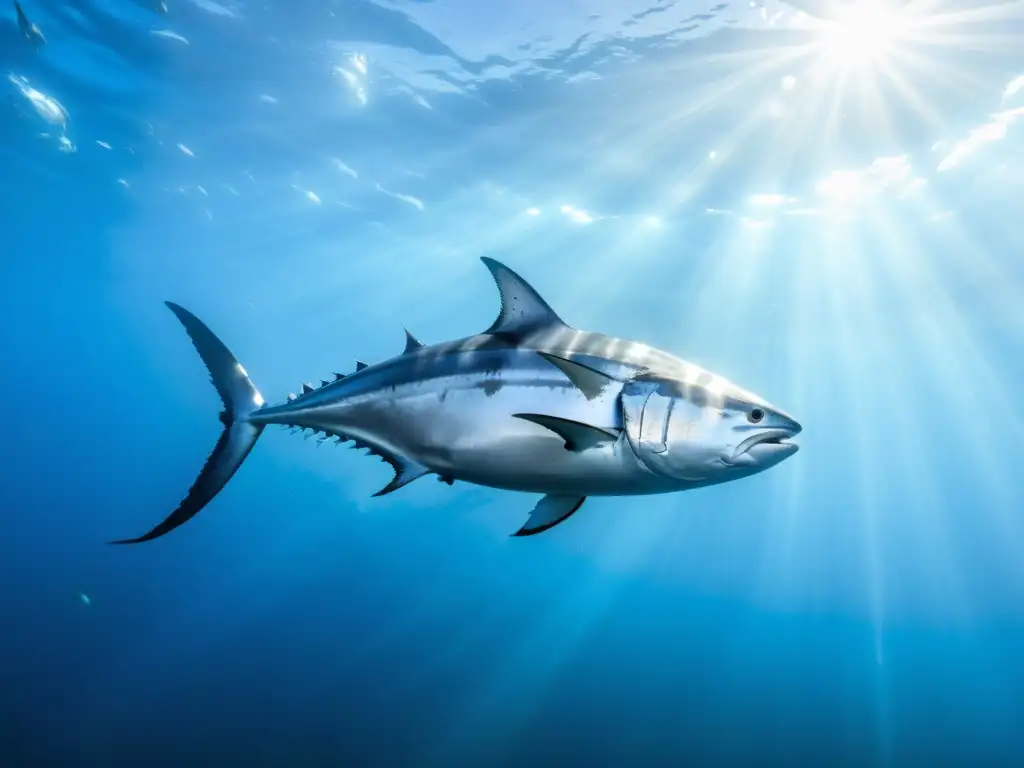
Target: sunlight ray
605 276
949 372
788 142
807 311
546 643
960 17
939 326
899 265
848 294
906 91
830 130
931 324
927 67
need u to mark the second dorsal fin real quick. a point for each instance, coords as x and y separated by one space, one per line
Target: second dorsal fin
523 311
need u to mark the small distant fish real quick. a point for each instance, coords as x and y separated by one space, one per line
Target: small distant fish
84 598
415 202
47 107
160 6
169 35
28 30
215 8
186 150
345 168
309 194
103 144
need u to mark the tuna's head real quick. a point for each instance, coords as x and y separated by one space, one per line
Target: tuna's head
704 432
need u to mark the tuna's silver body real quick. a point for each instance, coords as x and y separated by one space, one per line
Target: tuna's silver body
451 408
529 405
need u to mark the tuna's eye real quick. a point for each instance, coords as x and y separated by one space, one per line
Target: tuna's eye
755 415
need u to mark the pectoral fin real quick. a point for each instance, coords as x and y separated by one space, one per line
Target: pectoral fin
578 437
590 381
549 512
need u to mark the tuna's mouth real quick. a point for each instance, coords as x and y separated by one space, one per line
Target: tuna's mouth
768 441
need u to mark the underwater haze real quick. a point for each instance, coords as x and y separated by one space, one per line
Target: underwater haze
820 200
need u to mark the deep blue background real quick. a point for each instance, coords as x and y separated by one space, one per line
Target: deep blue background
861 604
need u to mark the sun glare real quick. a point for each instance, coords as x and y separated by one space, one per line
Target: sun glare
863 34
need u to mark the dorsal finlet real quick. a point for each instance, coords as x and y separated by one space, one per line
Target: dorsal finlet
306 389
411 342
523 311
360 365
339 376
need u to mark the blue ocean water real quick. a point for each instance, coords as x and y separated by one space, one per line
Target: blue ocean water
821 202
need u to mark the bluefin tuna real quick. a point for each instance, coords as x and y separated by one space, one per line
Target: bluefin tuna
530 405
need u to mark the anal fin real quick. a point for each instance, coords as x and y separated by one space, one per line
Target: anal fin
549 512
577 436
405 472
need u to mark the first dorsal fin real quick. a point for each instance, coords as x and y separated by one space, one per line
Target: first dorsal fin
411 343
523 311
